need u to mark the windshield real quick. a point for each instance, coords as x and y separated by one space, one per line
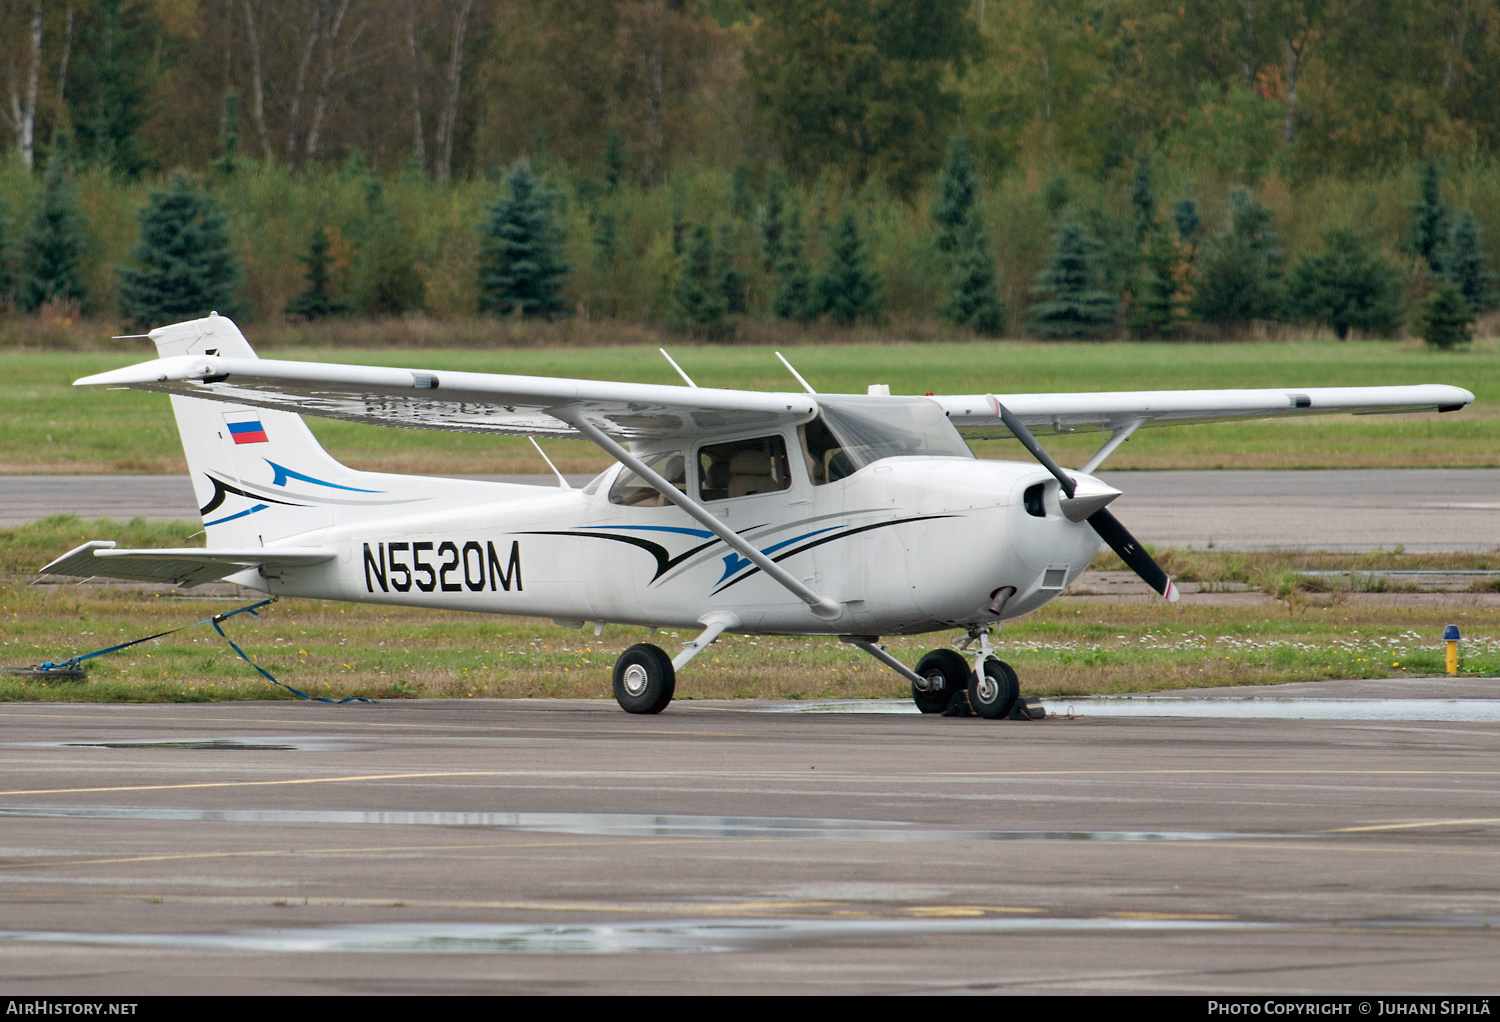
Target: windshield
854 432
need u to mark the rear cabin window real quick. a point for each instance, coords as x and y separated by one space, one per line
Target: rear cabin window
742 468
631 490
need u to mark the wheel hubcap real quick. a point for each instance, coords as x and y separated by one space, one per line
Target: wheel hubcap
988 689
635 679
931 683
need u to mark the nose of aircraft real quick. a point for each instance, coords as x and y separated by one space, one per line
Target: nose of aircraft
1089 495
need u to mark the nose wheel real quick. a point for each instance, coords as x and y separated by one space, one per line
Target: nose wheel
993 692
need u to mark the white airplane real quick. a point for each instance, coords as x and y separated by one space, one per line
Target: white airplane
737 511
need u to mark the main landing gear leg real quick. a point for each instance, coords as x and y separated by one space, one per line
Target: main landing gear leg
940 675
646 679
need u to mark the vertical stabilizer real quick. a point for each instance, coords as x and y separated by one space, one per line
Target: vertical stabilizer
259 474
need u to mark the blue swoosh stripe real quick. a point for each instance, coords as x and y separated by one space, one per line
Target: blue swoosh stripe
734 562
242 514
283 473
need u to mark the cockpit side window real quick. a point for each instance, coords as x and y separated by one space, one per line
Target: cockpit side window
631 490
743 467
827 461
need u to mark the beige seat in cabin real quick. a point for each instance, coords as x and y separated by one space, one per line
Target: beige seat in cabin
751 472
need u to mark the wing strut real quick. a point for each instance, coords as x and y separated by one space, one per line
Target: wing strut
1118 437
823 607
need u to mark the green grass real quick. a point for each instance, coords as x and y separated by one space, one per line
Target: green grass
50 426
1074 646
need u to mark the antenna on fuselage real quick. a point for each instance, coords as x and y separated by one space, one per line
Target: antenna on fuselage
793 371
561 479
684 375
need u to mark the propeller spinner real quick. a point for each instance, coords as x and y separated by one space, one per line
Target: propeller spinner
1086 502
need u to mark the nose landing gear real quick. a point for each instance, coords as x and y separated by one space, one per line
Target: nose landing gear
944 683
994 692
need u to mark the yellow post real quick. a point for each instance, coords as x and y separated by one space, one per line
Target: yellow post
1450 634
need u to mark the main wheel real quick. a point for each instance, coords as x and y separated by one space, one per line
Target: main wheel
946 672
644 679
996 691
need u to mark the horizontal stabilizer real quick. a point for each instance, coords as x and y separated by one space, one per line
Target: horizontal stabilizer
185 567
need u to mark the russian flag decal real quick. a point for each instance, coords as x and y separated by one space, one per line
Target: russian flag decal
248 432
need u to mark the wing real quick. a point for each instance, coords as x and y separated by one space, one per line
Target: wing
187 567
976 417
525 405
462 402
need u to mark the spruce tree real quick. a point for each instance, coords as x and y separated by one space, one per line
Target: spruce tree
386 281
317 300
1429 227
520 256
957 192
972 299
698 303
1187 221
848 289
1077 307
734 283
773 219
53 250
1160 305
1347 286
7 259
229 136
606 239
1467 264
741 195
1240 276
793 297
186 268
614 160
1142 198
1446 317
117 61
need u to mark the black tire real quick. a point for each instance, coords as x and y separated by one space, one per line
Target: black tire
947 672
644 679
994 695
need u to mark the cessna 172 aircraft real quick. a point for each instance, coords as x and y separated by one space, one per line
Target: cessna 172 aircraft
728 510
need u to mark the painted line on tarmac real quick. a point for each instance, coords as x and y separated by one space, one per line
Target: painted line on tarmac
576 730
353 778
271 852
745 775
1415 826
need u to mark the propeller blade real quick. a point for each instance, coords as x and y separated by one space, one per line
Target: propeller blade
1105 524
1132 553
1029 442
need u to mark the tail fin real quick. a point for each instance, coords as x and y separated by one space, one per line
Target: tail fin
259 474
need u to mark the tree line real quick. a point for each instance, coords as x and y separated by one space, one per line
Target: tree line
721 249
